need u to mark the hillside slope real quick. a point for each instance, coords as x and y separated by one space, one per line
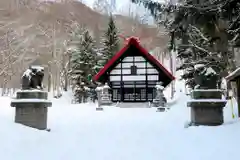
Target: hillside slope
32 29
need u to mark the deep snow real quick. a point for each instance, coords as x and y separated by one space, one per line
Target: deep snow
79 132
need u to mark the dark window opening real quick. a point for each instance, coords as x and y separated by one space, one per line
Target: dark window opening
134 70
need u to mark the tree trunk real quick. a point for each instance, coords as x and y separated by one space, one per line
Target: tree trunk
172 71
65 81
49 77
49 82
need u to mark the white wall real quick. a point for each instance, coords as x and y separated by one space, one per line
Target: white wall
128 62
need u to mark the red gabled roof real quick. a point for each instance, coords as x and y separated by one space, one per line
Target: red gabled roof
144 52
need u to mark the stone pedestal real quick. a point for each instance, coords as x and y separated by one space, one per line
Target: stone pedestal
207 107
31 108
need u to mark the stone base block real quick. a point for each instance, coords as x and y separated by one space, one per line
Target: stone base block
99 109
35 117
206 94
157 103
31 108
32 94
207 113
161 109
108 103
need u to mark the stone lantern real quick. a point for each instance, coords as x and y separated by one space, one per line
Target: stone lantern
104 96
159 101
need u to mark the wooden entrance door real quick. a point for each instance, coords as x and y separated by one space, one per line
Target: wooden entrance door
134 95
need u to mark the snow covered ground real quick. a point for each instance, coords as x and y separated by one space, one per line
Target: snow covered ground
79 132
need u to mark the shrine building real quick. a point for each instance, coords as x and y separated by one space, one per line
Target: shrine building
132 74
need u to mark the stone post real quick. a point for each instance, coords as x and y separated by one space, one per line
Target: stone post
31 108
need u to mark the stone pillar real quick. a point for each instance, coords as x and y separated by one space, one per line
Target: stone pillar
31 108
206 107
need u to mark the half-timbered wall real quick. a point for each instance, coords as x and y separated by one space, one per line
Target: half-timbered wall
134 78
143 68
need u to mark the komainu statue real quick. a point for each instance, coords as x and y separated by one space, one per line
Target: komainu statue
32 78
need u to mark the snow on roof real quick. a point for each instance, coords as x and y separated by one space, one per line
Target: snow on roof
133 41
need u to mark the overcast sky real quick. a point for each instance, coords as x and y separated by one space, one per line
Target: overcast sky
120 4
123 5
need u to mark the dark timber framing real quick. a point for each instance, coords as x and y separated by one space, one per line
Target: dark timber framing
121 84
133 84
146 81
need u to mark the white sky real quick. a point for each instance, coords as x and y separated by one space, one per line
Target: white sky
123 7
120 4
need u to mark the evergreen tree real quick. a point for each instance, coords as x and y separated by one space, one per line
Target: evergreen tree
201 26
110 43
83 57
83 62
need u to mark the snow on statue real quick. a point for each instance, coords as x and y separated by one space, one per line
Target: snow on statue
32 78
205 77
